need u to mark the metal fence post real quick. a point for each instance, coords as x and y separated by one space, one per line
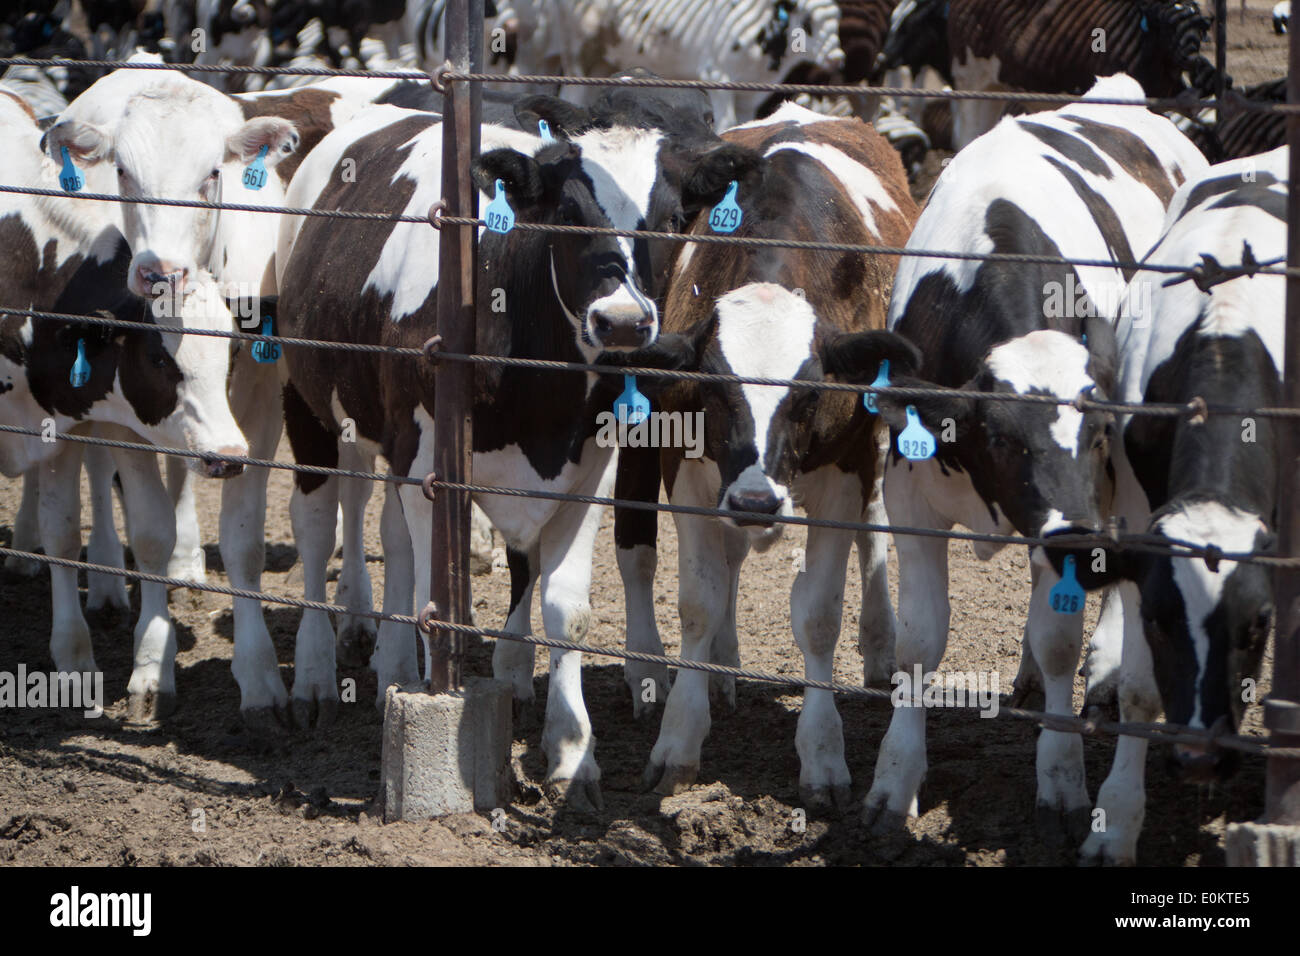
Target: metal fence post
454 382
1282 709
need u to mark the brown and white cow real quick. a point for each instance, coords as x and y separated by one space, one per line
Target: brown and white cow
775 313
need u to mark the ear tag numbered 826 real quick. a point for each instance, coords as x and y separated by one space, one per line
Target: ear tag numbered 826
266 352
499 216
255 172
631 407
882 381
1067 596
80 367
70 177
914 442
726 215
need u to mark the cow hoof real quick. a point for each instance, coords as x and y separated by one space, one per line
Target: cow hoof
574 795
878 673
23 566
264 722
648 685
723 687
314 712
354 646
151 705
1105 698
1094 852
668 780
1057 827
882 821
820 799
1027 694
106 598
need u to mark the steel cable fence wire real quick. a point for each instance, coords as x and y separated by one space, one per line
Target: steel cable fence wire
1065 723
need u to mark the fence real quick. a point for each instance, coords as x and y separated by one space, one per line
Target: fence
449 487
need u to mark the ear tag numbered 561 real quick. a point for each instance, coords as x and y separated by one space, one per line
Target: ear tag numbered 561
499 216
255 172
80 367
70 177
631 407
266 352
1067 596
726 215
882 381
914 442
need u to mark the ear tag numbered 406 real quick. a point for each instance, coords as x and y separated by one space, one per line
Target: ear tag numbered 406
882 381
726 215
255 172
914 442
266 352
631 407
499 216
70 177
1067 596
80 367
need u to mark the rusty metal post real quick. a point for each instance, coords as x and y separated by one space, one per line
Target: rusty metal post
1282 709
454 382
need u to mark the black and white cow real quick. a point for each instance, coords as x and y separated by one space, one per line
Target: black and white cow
564 298
1201 630
1088 182
68 256
774 313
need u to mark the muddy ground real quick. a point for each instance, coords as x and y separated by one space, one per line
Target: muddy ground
77 791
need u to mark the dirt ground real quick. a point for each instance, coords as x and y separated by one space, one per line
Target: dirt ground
76 791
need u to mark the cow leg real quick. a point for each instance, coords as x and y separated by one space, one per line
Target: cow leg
1105 650
152 532
1055 640
255 402
513 660
394 659
635 541
1121 802
27 528
567 545
356 638
103 591
922 639
725 646
1029 680
60 523
877 624
188 561
315 693
702 595
816 608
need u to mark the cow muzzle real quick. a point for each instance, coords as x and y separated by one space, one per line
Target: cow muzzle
1197 763
621 327
220 464
761 502
152 277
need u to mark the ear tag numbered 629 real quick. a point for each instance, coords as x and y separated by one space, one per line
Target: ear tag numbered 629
266 352
255 172
70 177
80 367
726 215
914 442
499 216
631 407
1067 596
882 381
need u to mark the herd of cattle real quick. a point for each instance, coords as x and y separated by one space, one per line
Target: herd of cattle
1088 181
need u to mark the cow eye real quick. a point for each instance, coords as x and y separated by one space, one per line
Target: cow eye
212 176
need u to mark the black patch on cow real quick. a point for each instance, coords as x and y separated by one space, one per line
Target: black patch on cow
313 443
637 479
520 576
1108 224
1209 188
1071 147
1262 198
1130 153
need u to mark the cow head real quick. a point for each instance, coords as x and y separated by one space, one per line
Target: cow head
175 139
1043 468
759 435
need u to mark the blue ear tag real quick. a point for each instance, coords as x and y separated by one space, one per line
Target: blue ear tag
255 172
1143 24
1067 597
914 442
882 381
70 177
266 351
782 14
631 407
80 368
544 130
726 214
499 216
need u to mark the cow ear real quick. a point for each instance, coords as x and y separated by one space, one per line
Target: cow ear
678 351
564 118
1103 353
521 174
86 143
855 357
707 180
278 136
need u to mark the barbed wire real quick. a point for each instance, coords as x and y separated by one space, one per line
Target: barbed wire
1063 723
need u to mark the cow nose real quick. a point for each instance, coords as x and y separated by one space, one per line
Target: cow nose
616 328
159 277
1195 764
220 465
760 502
1084 526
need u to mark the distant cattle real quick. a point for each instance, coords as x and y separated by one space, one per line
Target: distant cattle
1086 181
774 313
1194 630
